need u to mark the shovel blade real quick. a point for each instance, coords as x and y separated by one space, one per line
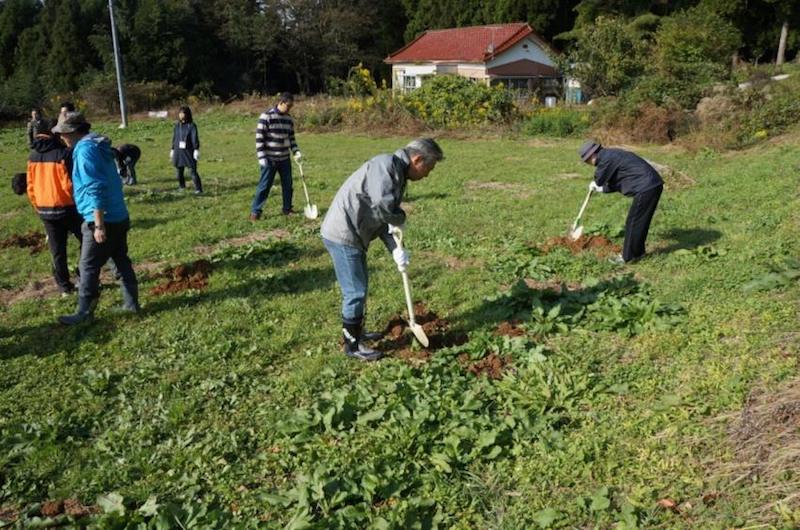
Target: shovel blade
419 333
576 233
311 211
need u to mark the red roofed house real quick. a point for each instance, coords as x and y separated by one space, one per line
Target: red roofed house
512 54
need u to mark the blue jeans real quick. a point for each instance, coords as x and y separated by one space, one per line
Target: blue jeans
284 167
350 264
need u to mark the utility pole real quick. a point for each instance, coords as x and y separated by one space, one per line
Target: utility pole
118 64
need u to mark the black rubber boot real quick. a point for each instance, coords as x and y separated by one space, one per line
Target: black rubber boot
352 344
86 307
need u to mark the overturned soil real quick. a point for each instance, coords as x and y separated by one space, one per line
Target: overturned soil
278 234
72 507
509 328
183 277
34 241
492 366
398 338
598 244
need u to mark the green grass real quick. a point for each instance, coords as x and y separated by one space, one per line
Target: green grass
234 404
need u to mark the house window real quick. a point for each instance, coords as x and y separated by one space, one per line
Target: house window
409 82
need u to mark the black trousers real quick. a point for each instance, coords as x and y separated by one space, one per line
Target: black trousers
94 255
198 186
58 231
638 222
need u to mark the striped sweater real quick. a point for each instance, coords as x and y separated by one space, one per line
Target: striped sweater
275 136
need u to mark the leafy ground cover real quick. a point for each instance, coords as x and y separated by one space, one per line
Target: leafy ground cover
565 391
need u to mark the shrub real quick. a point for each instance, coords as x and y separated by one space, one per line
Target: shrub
559 122
101 95
455 101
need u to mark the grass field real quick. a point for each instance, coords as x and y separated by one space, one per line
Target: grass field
617 403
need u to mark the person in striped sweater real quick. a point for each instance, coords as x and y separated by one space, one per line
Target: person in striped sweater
274 144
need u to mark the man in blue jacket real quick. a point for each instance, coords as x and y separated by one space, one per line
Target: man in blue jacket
632 176
97 190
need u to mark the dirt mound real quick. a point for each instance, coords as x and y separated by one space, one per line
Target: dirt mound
399 339
598 244
509 329
185 276
492 366
72 507
34 241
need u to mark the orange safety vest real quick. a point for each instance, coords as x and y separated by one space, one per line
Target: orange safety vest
49 184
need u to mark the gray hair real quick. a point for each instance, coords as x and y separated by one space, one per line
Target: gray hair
427 148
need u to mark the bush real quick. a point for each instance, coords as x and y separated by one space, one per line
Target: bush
455 101
559 122
101 95
645 122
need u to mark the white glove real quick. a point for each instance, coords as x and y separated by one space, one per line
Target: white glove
594 187
396 229
171 154
297 156
196 154
401 258
262 162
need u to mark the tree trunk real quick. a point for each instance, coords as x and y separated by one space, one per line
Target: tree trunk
782 44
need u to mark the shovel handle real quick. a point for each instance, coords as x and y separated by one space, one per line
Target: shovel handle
398 239
303 180
580 213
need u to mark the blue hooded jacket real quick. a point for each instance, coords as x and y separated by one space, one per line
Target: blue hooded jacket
95 181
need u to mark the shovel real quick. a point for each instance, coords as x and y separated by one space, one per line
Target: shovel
577 231
416 329
310 210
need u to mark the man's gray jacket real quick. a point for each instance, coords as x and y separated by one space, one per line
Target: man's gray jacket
368 201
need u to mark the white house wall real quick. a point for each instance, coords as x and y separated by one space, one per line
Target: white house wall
534 52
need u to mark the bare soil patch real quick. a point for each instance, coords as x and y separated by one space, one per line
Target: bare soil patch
34 241
398 339
183 277
509 328
9 514
571 176
72 507
598 244
673 179
492 366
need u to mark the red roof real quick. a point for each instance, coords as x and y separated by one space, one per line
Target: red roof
475 44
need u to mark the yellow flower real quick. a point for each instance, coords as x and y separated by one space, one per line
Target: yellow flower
760 135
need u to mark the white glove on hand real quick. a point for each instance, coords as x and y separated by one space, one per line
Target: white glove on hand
262 162
401 258
396 229
297 156
594 187
171 154
196 154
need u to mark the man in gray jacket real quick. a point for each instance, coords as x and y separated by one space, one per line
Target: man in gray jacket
367 206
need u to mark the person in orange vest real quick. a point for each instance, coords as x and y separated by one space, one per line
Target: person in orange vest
49 189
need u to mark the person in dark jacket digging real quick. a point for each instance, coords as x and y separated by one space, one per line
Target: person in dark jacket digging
126 157
631 175
185 150
367 206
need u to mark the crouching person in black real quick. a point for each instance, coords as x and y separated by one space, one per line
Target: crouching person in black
126 157
631 175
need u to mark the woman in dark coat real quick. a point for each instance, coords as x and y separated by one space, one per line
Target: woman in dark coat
186 149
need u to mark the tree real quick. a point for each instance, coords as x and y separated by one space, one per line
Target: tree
16 16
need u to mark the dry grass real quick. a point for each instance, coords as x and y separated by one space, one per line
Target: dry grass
765 437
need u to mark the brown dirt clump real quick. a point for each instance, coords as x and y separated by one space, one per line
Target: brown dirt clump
34 241
52 508
598 244
72 507
399 338
9 514
183 277
492 366
509 329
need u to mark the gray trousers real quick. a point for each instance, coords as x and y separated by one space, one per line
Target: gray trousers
94 255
